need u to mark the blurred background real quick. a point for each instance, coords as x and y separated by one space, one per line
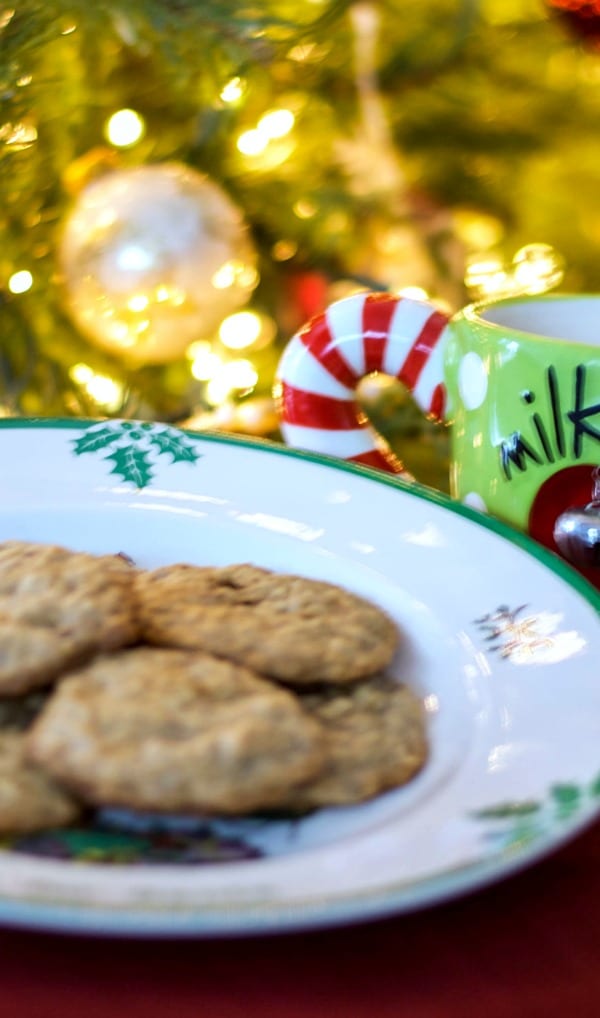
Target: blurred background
185 183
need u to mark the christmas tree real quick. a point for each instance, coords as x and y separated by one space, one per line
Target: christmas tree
184 183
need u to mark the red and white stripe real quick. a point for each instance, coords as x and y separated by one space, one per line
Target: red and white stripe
324 362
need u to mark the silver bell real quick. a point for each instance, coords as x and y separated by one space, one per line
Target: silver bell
577 530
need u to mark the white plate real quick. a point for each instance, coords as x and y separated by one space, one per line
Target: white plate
502 641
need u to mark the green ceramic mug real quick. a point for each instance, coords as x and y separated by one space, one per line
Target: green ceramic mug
517 380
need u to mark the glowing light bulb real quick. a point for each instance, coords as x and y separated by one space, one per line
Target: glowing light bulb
139 302
234 273
81 373
224 277
18 136
304 209
416 292
20 281
240 374
276 123
124 128
240 330
283 250
252 143
537 268
205 363
233 90
107 392
236 375
120 334
487 276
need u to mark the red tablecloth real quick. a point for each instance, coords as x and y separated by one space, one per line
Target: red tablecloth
528 947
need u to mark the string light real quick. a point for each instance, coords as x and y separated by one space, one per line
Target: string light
240 330
204 362
139 302
233 91
124 128
535 268
304 209
276 123
247 329
414 292
231 272
107 392
273 126
238 375
486 277
20 281
18 136
283 250
252 143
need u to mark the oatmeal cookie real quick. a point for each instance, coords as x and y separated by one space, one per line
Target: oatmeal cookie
376 740
58 608
288 627
173 730
30 800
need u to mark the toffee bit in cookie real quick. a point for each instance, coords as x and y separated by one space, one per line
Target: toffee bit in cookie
291 628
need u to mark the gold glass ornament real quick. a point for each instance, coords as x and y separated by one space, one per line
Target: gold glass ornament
152 259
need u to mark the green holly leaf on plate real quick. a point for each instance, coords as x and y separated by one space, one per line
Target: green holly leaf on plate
506 810
567 799
132 464
98 438
172 442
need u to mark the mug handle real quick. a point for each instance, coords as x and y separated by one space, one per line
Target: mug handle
323 363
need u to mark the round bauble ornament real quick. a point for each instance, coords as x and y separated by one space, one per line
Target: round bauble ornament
565 517
577 530
153 258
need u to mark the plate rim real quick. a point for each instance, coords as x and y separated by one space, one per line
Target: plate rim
428 892
544 555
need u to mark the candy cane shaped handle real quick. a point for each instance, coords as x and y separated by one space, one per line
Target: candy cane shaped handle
322 365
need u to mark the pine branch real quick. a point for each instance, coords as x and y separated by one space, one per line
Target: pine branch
480 111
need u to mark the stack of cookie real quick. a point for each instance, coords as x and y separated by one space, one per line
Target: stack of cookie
189 689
